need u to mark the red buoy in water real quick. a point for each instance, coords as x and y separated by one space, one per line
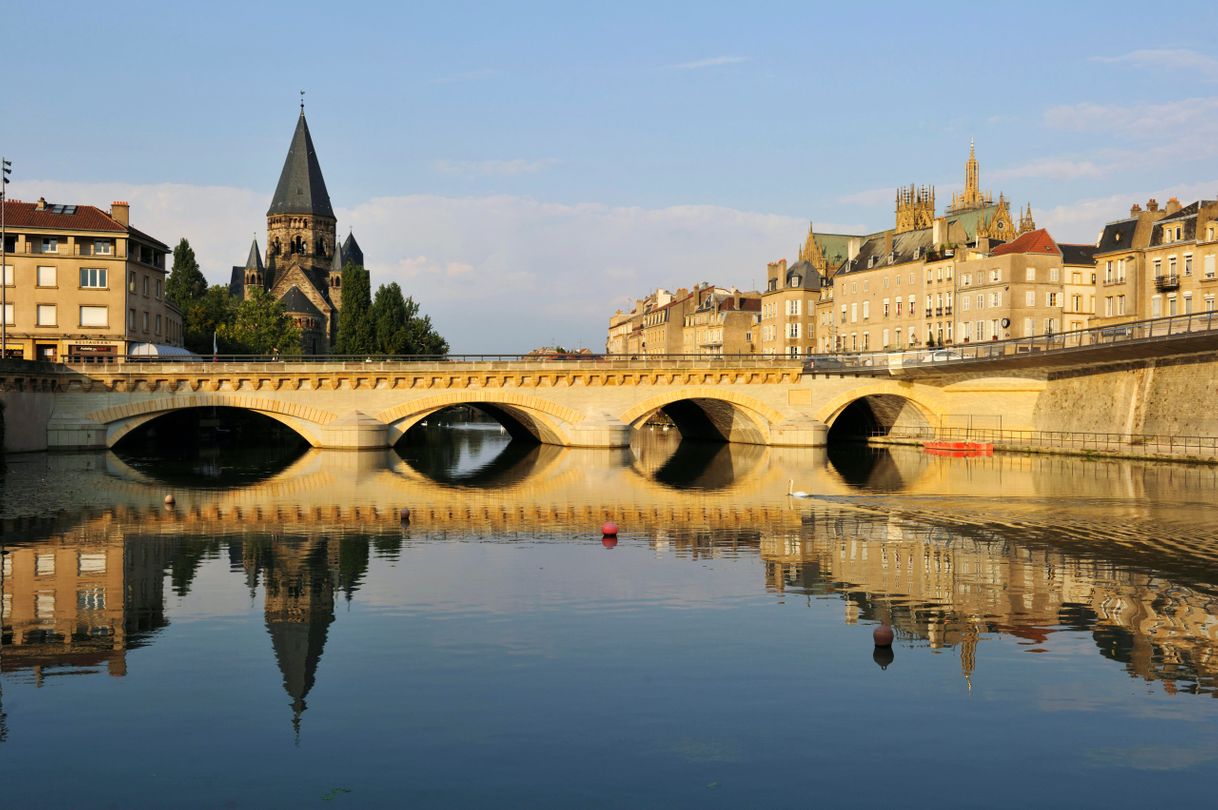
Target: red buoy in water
609 528
883 636
609 541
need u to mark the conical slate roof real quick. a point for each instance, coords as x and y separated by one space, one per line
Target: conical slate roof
254 262
301 189
352 252
336 265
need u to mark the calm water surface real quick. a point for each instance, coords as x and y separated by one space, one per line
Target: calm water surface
280 638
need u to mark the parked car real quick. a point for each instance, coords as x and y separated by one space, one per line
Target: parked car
822 362
942 356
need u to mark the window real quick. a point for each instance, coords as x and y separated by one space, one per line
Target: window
1029 327
1029 298
885 337
103 247
1051 299
1030 274
1188 303
1158 267
866 310
1209 266
46 276
899 307
843 313
1108 306
158 325
886 312
145 286
158 288
1054 275
1120 305
50 244
1108 278
966 279
1188 264
47 315
131 281
93 278
8 275
1171 266
94 316
854 312
793 330
995 275
131 319
8 314
1051 326
1121 270
793 307
1209 302
980 301
964 303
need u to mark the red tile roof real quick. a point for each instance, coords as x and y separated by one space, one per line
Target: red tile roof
1037 241
19 214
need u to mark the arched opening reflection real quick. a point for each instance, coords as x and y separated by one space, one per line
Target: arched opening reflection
211 447
873 469
479 445
690 464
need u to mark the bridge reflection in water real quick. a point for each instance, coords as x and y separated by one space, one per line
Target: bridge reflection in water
949 551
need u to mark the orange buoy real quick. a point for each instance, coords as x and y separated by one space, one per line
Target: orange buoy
609 529
883 636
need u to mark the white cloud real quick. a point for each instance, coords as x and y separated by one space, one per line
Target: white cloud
1199 65
714 61
1082 220
1053 169
487 168
495 273
1151 121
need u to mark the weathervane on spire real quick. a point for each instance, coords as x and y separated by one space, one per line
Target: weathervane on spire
302 101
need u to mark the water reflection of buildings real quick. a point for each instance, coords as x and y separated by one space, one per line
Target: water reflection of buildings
949 586
306 536
80 600
83 599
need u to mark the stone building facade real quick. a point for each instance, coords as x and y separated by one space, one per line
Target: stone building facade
82 283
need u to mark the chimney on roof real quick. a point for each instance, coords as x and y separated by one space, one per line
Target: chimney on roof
41 205
1152 204
1173 205
939 231
852 247
120 212
1134 210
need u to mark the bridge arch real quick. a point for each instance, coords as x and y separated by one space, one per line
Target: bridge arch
120 420
524 415
892 404
710 412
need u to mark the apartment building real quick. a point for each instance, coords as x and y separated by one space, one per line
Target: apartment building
723 322
83 284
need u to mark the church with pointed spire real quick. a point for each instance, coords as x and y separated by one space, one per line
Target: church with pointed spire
303 268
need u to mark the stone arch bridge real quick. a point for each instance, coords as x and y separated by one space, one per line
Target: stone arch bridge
578 403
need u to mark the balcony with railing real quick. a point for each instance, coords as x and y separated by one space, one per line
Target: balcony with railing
1167 283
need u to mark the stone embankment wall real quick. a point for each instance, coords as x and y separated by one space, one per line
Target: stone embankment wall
1165 397
25 390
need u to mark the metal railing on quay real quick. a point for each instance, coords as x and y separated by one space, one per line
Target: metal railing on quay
490 361
1125 443
1155 329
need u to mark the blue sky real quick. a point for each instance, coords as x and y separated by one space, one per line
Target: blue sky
524 170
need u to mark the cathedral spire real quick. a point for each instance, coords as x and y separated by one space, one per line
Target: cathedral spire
301 189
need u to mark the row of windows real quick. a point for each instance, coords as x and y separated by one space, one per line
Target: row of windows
90 278
50 244
90 317
1173 305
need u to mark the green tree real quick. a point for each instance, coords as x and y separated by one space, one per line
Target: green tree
356 334
204 315
260 326
185 283
397 327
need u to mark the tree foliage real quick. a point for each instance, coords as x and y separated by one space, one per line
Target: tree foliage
397 327
260 326
185 283
355 329
203 316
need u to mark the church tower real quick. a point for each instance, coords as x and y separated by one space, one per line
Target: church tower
300 223
915 208
971 198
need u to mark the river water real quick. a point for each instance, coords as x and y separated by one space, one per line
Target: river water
279 637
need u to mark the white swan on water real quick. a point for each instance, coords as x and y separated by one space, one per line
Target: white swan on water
796 493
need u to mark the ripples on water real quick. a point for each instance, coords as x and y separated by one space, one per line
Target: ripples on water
280 637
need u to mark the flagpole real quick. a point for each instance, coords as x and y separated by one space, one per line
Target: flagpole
6 167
